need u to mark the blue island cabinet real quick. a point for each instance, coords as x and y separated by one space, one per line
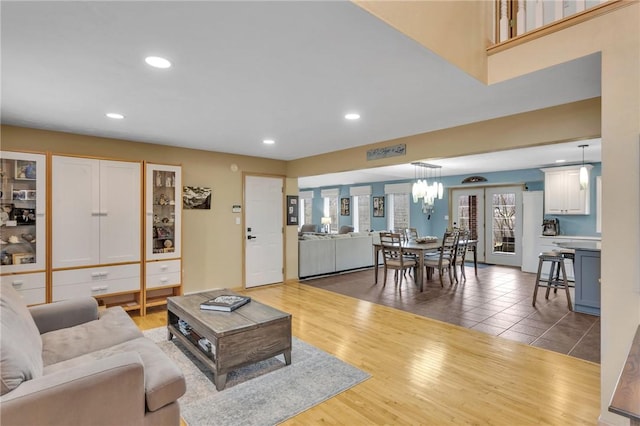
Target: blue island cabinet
587 273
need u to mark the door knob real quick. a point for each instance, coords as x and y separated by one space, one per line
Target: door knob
251 237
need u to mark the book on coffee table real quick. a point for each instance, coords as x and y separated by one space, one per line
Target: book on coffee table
225 303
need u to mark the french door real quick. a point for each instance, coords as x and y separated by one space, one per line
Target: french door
493 216
468 213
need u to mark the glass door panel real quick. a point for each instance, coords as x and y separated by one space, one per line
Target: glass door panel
504 208
22 212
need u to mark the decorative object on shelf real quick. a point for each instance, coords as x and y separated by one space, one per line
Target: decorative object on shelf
196 197
345 209
326 223
6 213
474 179
226 303
584 173
427 188
378 206
292 210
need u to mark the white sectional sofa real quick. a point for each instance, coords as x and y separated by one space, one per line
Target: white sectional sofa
320 254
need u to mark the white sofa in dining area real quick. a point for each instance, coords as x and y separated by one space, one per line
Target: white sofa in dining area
320 254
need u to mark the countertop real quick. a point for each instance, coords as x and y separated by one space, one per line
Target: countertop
580 245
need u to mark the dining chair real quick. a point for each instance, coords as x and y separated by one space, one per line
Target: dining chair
443 259
412 234
394 257
460 255
400 231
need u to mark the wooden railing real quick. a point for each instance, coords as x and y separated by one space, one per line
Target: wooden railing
523 20
626 398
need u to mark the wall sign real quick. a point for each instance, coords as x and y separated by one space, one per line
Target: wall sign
387 151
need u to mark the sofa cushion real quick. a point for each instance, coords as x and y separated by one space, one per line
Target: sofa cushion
113 327
163 380
21 345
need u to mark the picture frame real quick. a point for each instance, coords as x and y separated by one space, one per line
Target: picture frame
18 194
196 197
378 206
23 258
30 194
345 207
24 216
292 210
25 170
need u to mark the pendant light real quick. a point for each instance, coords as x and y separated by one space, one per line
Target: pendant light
584 174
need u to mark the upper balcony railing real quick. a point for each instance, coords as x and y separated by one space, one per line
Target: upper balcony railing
528 19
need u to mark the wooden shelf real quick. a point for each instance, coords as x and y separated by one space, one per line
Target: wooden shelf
156 301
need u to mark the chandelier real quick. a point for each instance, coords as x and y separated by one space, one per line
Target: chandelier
427 188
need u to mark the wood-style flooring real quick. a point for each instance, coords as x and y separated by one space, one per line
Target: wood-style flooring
496 301
427 372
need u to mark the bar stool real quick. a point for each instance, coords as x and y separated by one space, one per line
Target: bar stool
557 276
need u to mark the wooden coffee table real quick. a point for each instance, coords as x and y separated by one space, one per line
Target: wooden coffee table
251 333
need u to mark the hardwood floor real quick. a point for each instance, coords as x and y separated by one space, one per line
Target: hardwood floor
426 371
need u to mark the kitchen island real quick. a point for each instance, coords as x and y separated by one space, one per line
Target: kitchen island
587 274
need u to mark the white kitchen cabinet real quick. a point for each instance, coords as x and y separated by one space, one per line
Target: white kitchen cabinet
562 191
163 233
23 239
96 221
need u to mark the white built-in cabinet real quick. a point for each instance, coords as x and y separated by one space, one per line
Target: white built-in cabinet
562 191
23 239
163 228
96 230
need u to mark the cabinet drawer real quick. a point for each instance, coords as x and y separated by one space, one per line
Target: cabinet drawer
163 267
30 286
95 281
97 274
163 280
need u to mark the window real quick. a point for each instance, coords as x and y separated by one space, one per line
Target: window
361 207
331 207
306 207
398 205
398 211
361 213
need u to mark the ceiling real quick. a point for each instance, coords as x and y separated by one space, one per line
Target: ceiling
247 71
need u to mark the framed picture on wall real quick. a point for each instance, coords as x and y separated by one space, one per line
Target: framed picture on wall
378 206
345 206
292 210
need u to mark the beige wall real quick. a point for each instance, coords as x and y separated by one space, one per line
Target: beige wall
578 120
616 35
212 242
457 31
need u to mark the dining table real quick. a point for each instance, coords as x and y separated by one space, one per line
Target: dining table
420 249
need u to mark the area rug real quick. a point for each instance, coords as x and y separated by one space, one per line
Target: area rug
265 393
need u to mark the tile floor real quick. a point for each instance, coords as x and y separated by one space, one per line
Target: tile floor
496 301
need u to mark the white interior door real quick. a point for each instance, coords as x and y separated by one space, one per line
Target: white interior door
468 213
503 230
264 236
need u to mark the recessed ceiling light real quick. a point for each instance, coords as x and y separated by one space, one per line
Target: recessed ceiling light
352 116
115 115
157 62
268 141
561 161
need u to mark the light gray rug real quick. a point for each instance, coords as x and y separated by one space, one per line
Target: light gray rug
265 393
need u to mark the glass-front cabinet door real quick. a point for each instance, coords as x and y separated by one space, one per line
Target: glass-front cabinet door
163 225
22 212
163 210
